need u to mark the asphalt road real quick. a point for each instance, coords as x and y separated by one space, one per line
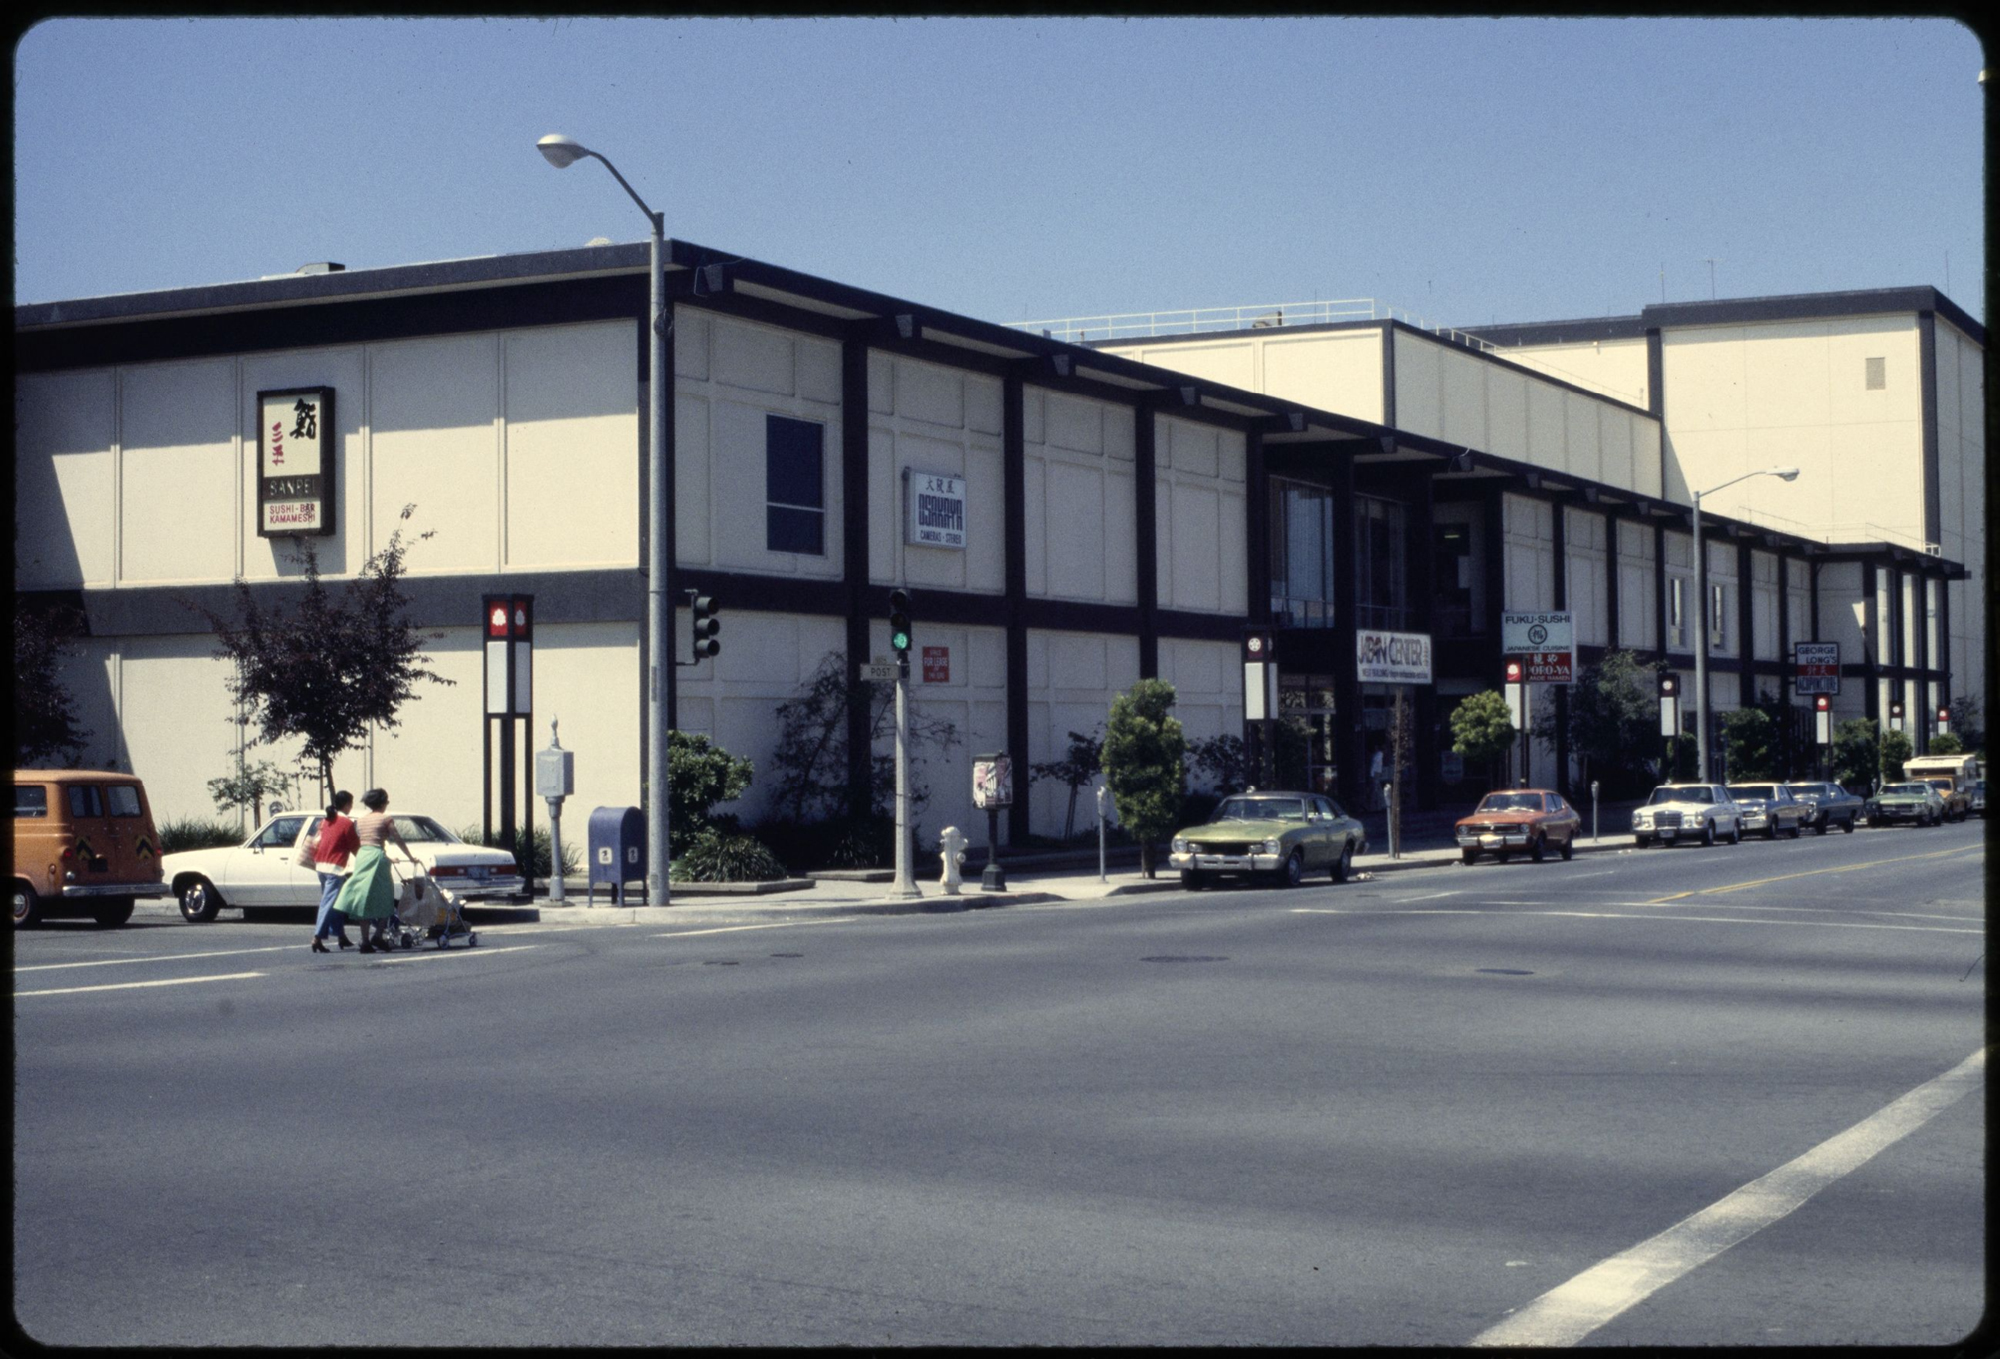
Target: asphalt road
1392 1112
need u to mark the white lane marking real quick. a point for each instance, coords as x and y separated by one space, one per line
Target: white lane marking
419 955
1568 1312
732 929
1433 896
127 986
161 958
1662 919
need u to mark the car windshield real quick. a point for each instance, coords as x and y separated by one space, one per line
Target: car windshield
1261 809
414 830
1763 791
1809 790
1680 795
1906 789
1510 802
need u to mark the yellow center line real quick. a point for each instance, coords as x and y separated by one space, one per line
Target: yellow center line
1813 872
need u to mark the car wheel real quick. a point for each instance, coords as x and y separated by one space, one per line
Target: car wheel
1847 826
1343 867
1820 826
1538 848
1503 855
1294 870
1568 848
1708 832
1736 833
1469 856
1642 841
1192 880
1796 830
200 901
1771 831
27 906
116 911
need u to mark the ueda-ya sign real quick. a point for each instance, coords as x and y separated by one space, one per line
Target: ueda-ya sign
295 462
1392 657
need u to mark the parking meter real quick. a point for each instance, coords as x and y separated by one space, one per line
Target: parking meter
555 779
1593 811
1103 815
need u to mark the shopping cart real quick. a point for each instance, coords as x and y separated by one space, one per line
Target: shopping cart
433 911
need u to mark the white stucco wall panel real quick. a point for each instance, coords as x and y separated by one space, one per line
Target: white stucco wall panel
1507 412
572 428
65 429
1638 595
1615 368
1332 370
178 478
1462 392
434 405
1072 679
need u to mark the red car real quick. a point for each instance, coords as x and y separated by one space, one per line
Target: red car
1535 820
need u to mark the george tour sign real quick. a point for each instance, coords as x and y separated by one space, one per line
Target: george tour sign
1816 667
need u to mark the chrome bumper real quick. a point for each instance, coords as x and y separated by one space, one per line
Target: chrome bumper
1225 863
142 889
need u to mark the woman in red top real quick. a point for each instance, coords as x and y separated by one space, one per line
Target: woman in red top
337 840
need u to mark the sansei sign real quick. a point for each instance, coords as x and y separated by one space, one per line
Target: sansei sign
295 462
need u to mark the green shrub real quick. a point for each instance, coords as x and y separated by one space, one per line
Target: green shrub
714 857
198 833
537 857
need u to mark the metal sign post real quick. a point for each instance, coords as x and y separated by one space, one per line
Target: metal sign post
1593 811
992 789
1103 809
555 779
906 885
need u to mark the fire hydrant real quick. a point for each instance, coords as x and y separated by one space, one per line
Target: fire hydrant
951 845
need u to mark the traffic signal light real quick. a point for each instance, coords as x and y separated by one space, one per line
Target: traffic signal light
899 624
1257 646
704 625
1670 684
1822 704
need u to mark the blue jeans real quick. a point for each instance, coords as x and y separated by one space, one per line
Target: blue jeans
331 922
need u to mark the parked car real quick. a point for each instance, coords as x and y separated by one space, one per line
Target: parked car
1279 835
1532 819
1917 803
1687 811
84 844
1975 798
260 871
1770 808
1831 806
1957 806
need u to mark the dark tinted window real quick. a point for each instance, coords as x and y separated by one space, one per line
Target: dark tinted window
794 486
30 800
84 801
122 799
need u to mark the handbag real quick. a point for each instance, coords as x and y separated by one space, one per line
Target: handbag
308 847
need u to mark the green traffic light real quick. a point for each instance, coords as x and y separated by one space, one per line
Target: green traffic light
900 640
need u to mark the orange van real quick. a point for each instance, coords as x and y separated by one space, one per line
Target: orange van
84 844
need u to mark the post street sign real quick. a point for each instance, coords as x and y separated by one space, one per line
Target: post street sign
1816 667
878 672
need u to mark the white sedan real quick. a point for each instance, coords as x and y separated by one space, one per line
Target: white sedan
260 871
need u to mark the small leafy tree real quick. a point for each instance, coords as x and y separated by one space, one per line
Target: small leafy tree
1223 762
1613 715
1947 743
1750 750
1075 770
246 789
1968 722
1482 730
1856 753
699 775
1143 752
1896 748
45 723
323 671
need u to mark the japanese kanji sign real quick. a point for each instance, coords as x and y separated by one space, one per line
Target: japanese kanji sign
295 462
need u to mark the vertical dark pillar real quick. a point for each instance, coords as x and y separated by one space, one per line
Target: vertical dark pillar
1918 703
1146 537
1661 604
1014 491
1927 399
1353 755
1793 759
1495 567
671 678
1873 645
1559 523
1943 662
854 554
1746 634
1422 564
1611 605
1257 528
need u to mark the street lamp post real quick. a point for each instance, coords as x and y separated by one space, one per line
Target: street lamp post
562 152
1701 614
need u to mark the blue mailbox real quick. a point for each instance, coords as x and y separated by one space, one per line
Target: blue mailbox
617 847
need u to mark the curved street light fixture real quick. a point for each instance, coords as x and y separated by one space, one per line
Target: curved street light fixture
562 152
1701 613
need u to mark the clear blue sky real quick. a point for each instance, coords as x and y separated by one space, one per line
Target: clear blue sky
1466 170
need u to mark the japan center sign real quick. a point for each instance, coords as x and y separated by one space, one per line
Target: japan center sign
295 462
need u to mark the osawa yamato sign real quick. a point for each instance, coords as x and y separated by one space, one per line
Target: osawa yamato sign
295 462
1392 657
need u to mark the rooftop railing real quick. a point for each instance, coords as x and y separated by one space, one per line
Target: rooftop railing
1137 325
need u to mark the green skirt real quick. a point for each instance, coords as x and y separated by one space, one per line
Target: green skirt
370 891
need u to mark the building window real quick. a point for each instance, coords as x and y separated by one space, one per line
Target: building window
794 486
1877 374
1677 637
1718 617
1451 572
1301 554
1380 564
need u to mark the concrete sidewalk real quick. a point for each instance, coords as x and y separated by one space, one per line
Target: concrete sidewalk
820 898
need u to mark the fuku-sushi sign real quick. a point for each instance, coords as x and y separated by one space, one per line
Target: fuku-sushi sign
295 462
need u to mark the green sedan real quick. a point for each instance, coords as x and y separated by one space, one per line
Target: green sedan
1916 803
1277 836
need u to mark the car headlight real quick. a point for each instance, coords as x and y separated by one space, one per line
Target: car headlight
1180 845
1273 846
1642 818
